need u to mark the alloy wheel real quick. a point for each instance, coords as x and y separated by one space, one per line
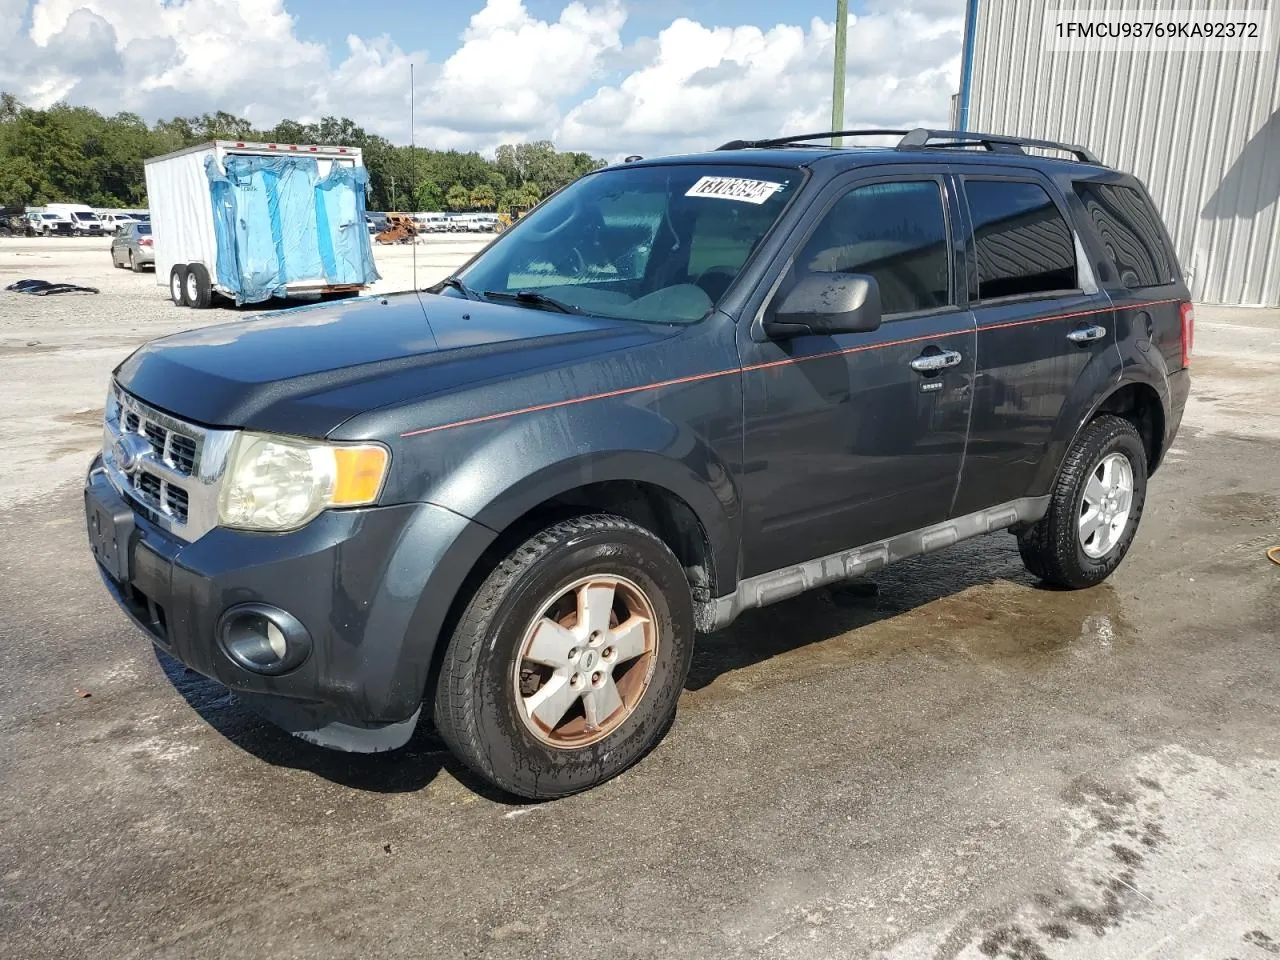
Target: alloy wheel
1105 505
586 661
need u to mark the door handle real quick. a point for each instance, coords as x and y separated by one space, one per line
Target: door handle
1087 334
933 362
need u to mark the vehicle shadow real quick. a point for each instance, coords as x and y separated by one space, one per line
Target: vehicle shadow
407 770
759 635
830 611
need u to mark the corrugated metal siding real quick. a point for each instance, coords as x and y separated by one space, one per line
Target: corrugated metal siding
1201 130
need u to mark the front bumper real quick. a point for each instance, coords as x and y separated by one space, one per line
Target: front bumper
371 588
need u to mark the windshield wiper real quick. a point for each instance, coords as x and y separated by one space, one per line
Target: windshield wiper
533 297
461 287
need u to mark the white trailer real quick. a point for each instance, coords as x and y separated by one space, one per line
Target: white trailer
251 221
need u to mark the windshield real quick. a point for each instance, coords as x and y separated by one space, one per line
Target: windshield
84 216
144 229
660 243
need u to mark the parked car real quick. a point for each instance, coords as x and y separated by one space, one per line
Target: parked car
84 221
132 247
54 224
674 391
112 221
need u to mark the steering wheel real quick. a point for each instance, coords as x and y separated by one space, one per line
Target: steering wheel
570 217
577 263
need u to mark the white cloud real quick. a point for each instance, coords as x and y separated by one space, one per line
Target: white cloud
512 69
703 85
512 76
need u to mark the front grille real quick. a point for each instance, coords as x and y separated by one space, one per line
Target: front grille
182 453
161 496
164 479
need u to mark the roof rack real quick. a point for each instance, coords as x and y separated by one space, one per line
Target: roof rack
805 137
920 138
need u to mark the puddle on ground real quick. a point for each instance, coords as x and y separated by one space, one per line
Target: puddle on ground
82 418
974 600
1244 505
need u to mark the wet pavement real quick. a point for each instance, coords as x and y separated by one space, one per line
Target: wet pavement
945 762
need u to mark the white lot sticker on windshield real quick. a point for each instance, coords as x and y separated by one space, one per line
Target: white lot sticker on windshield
734 188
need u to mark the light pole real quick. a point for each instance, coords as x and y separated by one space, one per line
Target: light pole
393 191
837 90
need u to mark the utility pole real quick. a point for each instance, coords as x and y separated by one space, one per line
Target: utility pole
837 90
393 190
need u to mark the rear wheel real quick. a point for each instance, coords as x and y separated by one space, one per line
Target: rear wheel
1094 509
197 290
567 664
177 284
134 265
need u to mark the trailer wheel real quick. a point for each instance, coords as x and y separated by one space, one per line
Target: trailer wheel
177 282
198 291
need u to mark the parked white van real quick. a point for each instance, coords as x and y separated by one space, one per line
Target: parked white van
84 222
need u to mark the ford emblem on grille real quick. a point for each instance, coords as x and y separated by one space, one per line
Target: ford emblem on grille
129 451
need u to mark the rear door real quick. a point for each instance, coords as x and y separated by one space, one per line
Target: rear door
1136 266
846 443
1041 320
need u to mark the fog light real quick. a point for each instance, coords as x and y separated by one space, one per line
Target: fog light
263 639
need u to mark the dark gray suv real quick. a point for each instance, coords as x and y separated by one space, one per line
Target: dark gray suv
676 390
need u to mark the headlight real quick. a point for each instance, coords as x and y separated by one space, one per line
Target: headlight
281 483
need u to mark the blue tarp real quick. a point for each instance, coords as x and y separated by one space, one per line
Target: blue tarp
277 223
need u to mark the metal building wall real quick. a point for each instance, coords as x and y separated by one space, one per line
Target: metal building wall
1201 130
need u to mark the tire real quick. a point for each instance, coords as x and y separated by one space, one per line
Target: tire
481 710
178 284
134 265
1056 549
197 291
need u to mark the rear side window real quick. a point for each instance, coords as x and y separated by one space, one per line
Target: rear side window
1024 245
897 233
1130 232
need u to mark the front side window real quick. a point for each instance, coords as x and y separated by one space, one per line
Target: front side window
1024 245
1130 232
660 243
897 233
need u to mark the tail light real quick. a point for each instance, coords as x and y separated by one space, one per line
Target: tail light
144 242
1188 316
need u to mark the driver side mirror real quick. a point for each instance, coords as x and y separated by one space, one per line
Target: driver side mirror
827 303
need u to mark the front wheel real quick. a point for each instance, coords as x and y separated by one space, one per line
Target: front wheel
567 664
1094 508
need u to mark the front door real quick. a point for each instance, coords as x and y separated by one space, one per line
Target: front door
853 438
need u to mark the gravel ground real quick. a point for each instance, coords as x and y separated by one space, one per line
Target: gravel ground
955 764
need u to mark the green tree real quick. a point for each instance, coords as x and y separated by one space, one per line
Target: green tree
428 197
483 197
19 181
75 153
458 197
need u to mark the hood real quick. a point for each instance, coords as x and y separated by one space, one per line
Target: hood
306 370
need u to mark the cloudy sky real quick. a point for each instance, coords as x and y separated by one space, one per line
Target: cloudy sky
608 76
